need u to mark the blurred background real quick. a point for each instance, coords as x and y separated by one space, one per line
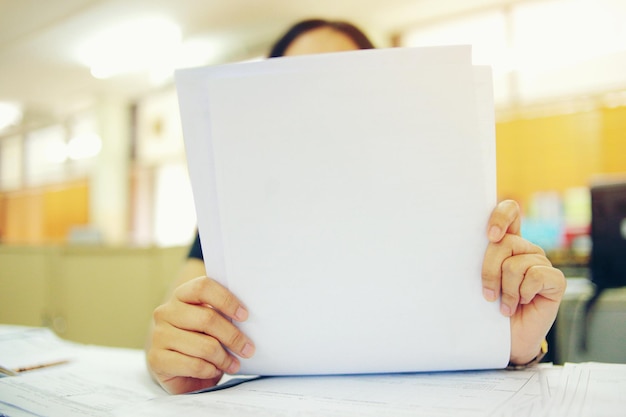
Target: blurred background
93 178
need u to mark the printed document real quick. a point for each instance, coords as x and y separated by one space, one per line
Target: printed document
103 382
455 394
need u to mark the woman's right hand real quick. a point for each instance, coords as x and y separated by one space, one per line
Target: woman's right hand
191 334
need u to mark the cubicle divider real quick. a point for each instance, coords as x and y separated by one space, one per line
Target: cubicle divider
106 296
94 295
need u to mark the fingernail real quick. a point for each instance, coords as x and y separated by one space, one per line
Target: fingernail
505 310
489 294
247 351
494 233
241 314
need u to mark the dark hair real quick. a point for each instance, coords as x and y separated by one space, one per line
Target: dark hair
348 29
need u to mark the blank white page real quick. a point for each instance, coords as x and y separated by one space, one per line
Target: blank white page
348 210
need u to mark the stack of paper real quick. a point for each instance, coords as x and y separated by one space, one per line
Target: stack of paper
23 349
344 198
589 390
92 380
454 394
102 381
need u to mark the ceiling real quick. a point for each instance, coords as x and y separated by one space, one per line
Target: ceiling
39 68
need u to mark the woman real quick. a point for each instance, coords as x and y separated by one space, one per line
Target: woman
193 342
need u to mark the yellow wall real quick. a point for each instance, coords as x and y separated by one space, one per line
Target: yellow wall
614 139
43 215
558 152
64 207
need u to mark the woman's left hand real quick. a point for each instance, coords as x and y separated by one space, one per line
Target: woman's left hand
531 289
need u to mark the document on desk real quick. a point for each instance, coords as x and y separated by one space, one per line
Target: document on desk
96 381
344 199
455 394
589 390
22 349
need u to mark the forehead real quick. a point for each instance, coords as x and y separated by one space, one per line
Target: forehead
321 40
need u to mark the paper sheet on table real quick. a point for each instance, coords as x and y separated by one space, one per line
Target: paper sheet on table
97 380
589 390
23 347
455 394
344 198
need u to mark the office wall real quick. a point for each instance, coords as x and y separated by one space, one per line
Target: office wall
43 214
554 153
614 139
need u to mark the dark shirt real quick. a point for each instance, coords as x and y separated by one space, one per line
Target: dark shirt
196 249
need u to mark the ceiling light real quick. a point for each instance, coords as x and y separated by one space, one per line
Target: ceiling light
131 46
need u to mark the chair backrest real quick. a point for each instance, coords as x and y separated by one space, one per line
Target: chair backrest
608 234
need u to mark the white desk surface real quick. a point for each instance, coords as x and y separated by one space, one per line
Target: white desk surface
103 381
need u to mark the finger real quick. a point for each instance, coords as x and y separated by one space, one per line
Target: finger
202 347
505 218
203 290
495 255
167 364
207 321
514 273
182 384
544 287
542 280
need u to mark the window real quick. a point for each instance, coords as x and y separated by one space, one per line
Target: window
10 163
45 155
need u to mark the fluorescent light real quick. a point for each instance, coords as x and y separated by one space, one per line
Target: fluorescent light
131 46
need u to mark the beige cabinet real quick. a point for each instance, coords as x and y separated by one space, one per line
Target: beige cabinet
95 295
604 329
24 284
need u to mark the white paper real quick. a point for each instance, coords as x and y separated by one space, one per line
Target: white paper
104 381
96 381
194 105
458 394
345 202
23 347
590 390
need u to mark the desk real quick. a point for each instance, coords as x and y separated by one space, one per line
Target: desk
104 381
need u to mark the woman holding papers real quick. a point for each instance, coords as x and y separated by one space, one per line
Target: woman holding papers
193 341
